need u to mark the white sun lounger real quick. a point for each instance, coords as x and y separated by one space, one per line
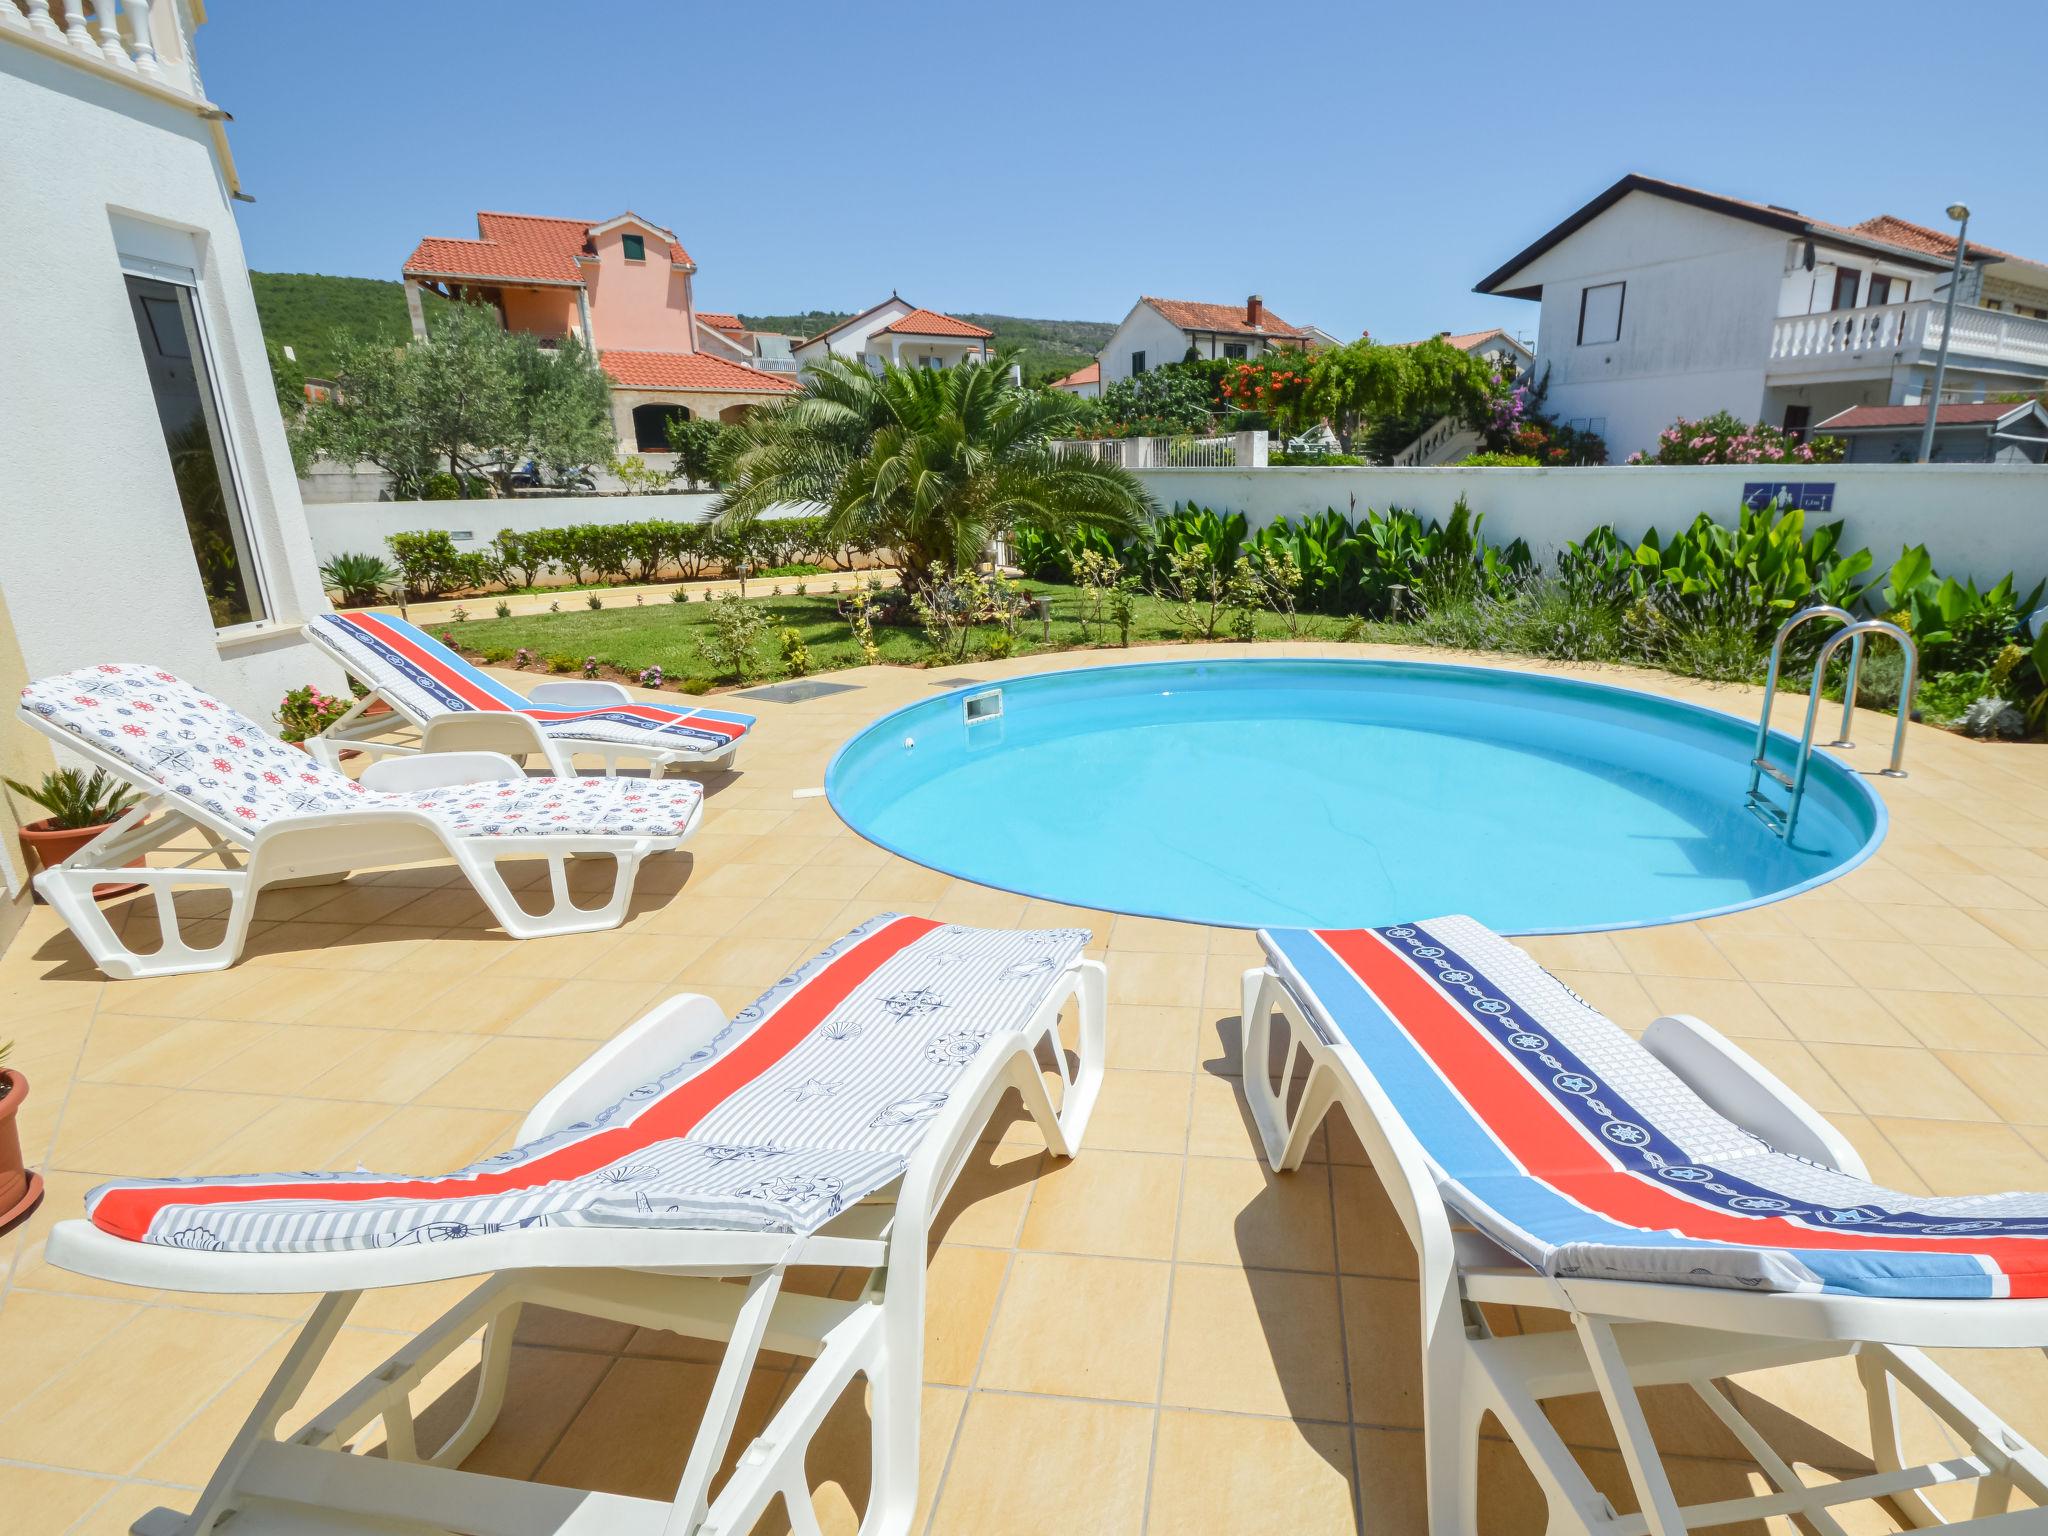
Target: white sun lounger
457 706
272 814
1692 1216
822 1126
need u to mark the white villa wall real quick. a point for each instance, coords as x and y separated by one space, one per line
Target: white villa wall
1977 520
853 340
1695 325
360 527
94 559
1146 330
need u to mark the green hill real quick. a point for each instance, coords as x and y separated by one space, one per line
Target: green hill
305 311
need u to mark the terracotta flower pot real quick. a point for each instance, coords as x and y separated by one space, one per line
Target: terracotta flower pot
53 845
20 1188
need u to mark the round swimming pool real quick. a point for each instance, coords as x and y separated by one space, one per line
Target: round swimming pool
1344 793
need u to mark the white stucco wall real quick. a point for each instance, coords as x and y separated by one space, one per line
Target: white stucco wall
1702 291
853 340
94 558
360 527
1977 520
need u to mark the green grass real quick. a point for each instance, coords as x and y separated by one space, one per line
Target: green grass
665 634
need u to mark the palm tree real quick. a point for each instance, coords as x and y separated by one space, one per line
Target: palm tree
931 463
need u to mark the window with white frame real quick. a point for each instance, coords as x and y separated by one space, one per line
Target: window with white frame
188 407
1600 313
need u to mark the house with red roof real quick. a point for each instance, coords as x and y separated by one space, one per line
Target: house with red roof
898 331
1085 382
1965 432
624 286
1160 331
1661 300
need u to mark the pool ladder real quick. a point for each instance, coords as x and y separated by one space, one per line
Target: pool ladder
1783 817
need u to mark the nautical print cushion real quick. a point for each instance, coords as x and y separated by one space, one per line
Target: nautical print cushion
196 747
807 1101
424 677
524 807
216 758
1567 1142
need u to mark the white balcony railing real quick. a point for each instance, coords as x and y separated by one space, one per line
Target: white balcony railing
1878 333
143 40
1239 450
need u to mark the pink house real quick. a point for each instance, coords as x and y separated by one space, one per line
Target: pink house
624 286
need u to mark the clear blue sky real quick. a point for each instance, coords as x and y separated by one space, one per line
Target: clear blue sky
1359 165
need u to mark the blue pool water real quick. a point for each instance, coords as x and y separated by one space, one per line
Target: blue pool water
1342 793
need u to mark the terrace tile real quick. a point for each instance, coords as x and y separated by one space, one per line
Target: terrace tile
1162 1336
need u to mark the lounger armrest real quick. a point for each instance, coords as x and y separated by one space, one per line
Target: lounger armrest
433 770
590 694
663 1038
1747 1092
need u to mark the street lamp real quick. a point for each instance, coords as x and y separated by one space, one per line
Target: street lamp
1961 214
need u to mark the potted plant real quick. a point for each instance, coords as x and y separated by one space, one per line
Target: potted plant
80 806
307 712
20 1188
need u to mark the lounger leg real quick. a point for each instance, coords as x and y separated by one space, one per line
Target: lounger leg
1625 1411
285 1388
494 1371
69 893
563 915
2014 1462
723 1410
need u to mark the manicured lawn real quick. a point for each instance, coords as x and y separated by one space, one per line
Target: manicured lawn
632 638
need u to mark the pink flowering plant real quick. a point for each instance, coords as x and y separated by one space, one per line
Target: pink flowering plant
308 711
1724 438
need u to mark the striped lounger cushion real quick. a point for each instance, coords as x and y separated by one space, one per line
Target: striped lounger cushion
809 1100
420 674
1568 1143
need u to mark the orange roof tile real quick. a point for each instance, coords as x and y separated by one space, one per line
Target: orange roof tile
1221 319
1954 413
721 321
689 370
518 248
1893 230
1092 374
929 322
1464 341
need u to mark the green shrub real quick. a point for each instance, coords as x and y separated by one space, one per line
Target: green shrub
730 639
1499 461
427 559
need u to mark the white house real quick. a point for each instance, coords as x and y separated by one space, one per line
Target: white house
1660 301
171 530
1085 382
1494 345
897 331
1972 432
1159 331
1450 438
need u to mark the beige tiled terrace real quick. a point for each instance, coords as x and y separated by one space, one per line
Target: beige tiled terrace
1158 1337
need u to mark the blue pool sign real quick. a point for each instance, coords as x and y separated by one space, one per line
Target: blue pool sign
1807 496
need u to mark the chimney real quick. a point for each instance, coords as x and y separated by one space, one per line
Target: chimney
1255 311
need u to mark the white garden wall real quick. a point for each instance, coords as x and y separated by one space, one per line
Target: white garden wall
359 527
1977 520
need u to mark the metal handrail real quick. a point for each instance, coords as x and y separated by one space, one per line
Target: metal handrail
1852 632
1770 685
